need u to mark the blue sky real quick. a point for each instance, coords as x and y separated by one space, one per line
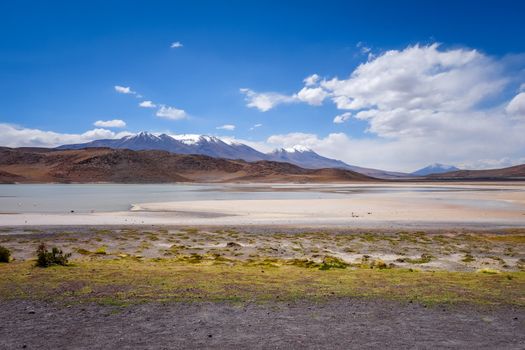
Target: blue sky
61 60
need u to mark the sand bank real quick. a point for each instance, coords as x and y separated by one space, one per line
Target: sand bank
492 205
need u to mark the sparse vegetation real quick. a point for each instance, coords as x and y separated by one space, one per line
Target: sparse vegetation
332 262
425 258
46 258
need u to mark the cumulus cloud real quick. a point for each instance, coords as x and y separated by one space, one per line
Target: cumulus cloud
264 101
341 118
16 136
423 104
171 113
312 96
115 123
176 45
147 104
124 90
311 80
226 127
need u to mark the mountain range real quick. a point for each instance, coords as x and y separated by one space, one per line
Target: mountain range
92 165
215 147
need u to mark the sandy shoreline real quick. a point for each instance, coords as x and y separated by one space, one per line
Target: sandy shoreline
459 205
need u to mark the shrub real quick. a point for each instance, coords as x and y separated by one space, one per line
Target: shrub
5 254
332 262
47 258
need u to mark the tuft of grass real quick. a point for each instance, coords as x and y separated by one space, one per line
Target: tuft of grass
425 258
5 255
332 262
46 258
468 258
488 271
101 250
83 251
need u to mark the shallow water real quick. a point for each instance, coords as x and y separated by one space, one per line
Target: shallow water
62 198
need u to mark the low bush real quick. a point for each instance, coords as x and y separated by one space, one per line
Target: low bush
5 255
332 262
47 258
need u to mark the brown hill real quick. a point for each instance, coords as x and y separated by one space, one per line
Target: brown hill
511 173
36 165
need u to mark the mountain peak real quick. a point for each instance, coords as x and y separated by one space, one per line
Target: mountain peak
436 168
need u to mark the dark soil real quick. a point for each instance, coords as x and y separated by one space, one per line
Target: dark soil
336 324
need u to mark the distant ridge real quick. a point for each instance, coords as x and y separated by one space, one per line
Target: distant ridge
215 147
516 172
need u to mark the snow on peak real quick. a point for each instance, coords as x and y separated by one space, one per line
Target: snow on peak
194 139
144 135
297 148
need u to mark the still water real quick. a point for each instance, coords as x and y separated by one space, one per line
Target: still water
62 198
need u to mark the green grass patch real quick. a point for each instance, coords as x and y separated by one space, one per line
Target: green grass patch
200 278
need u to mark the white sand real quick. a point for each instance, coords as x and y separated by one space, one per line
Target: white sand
461 208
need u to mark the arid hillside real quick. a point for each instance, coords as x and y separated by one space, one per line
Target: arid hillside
41 165
512 173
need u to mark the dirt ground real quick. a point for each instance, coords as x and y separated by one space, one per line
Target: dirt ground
336 324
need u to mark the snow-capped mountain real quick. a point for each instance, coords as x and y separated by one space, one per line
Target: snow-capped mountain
305 157
434 169
184 144
215 147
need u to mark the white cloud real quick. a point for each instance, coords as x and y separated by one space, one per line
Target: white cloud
124 90
171 113
411 153
311 80
176 45
424 104
264 101
147 104
341 118
256 126
516 106
226 127
16 136
312 96
115 123
363 48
